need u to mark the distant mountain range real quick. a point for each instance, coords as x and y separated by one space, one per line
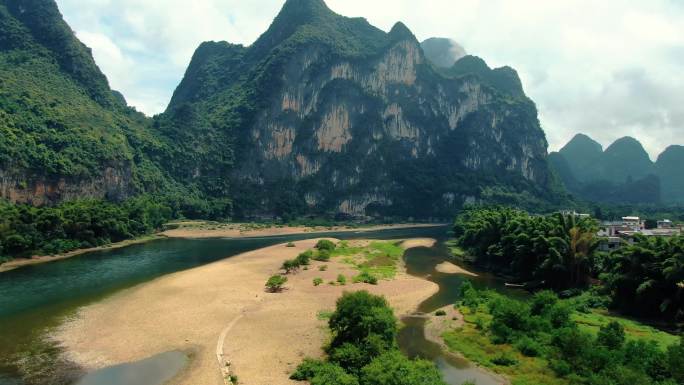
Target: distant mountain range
623 173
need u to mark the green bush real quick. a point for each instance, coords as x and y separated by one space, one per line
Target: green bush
329 374
504 360
325 244
440 313
290 266
303 259
393 367
341 279
528 347
322 255
275 283
317 281
307 369
366 277
323 268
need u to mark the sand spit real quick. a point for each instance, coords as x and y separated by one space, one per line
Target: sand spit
450 268
223 306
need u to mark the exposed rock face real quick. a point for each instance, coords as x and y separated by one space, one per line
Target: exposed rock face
114 184
364 125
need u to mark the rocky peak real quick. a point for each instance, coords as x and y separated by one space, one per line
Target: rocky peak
211 70
400 32
44 22
674 153
504 79
582 146
627 145
293 15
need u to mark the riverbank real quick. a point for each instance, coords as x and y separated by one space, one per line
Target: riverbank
263 335
241 230
205 230
35 260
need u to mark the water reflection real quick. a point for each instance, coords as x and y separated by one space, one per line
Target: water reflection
155 370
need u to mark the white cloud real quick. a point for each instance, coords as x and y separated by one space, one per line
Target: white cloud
608 69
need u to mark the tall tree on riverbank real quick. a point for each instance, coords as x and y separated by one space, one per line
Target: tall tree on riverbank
555 250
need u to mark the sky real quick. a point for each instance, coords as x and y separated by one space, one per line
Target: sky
607 68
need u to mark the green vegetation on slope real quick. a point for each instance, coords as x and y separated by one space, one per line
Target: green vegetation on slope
546 341
58 117
363 349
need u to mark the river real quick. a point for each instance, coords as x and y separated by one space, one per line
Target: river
35 299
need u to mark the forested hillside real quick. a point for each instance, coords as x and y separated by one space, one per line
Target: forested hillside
64 133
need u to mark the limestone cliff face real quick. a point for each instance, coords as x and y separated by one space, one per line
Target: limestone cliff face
381 132
114 184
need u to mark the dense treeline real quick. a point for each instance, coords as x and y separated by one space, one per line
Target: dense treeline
27 230
363 350
647 278
559 252
557 350
556 251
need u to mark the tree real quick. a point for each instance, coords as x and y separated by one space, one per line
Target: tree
572 244
359 315
275 283
611 336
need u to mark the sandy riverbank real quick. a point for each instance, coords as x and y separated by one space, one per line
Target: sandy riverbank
270 333
238 230
450 268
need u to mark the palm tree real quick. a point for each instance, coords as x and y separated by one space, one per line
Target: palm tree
571 248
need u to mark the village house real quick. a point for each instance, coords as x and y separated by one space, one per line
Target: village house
614 234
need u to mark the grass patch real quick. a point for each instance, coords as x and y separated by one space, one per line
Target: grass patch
592 321
457 252
478 348
324 315
378 259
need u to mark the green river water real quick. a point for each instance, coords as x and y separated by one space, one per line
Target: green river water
35 299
